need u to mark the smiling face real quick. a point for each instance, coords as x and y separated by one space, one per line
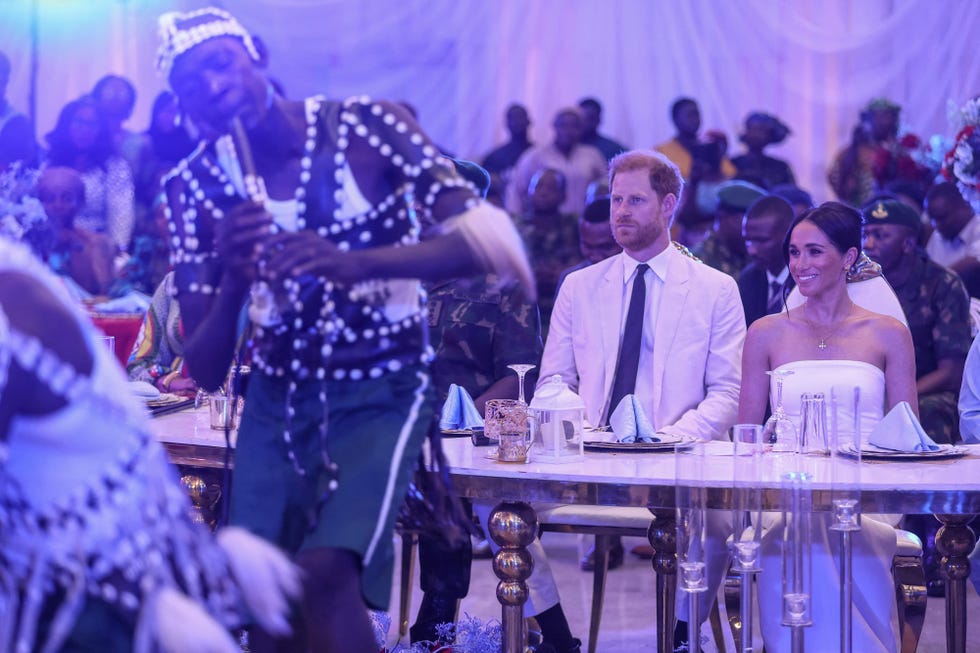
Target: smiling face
640 218
815 263
216 81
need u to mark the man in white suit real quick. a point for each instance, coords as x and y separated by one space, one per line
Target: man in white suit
687 370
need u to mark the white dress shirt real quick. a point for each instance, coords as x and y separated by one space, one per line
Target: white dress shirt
964 244
655 277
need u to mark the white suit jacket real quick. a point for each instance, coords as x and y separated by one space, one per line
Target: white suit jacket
697 357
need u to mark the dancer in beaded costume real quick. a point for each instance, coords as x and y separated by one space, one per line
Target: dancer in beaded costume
325 252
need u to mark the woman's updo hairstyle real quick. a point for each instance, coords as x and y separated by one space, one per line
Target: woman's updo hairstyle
839 222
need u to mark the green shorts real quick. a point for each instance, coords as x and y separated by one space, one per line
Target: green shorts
375 432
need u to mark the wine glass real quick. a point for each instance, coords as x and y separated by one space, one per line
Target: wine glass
521 369
779 430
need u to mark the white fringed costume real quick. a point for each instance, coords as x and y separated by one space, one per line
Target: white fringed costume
90 509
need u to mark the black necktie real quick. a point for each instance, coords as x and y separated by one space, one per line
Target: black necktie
775 298
624 382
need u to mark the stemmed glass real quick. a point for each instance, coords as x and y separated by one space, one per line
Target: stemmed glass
521 369
779 430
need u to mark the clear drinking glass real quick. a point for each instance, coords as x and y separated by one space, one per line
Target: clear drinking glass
779 429
522 369
505 416
813 418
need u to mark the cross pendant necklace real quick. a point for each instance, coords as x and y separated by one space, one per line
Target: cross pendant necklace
822 340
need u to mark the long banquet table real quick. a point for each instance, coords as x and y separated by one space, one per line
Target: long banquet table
950 489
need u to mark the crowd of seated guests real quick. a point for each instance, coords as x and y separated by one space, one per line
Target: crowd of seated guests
99 184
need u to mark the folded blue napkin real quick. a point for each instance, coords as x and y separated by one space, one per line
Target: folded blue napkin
899 430
630 424
459 411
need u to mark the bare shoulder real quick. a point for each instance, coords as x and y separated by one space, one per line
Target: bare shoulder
770 326
884 326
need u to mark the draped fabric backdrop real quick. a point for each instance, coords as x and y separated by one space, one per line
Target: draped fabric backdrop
814 63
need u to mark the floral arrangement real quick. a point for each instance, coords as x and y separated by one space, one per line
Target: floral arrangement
962 161
22 217
901 159
468 635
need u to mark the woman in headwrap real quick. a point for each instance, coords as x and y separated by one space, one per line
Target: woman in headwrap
761 131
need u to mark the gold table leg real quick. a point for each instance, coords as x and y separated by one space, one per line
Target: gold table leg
513 526
955 541
663 538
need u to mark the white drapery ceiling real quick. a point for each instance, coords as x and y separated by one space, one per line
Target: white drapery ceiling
460 62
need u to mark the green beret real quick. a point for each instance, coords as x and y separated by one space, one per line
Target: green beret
892 212
738 195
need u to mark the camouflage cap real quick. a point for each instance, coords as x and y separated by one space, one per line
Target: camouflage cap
892 212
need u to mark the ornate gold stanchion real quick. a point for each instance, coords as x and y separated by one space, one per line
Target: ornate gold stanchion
204 497
663 538
512 525
955 541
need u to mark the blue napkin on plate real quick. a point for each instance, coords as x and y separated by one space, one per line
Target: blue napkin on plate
899 430
459 411
630 424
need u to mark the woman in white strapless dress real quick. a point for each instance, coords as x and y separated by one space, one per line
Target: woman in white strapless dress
830 341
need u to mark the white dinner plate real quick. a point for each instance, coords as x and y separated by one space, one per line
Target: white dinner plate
871 452
666 443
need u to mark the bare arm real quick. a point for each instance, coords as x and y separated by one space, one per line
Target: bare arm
899 365
754 392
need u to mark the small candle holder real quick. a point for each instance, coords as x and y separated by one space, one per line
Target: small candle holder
691 500
797 554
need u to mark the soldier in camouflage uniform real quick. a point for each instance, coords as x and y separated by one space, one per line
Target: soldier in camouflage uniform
938 311
724 248
551 237
936 306
477 328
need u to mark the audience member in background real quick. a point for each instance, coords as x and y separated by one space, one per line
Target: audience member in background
914 195
685 148
81 140
500 161
876 156
550 236
766 279
955 243
17 142
158 353
116 97
581 165
165 143
700 202
761 131
938 311
591 119
85 257
595 238
798 198
724 248
477 328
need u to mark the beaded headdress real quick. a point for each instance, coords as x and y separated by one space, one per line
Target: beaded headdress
179 32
